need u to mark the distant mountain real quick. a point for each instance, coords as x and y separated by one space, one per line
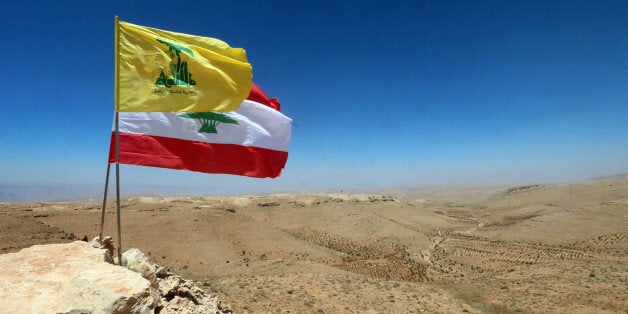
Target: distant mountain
10 192
25 192
620 176
22 192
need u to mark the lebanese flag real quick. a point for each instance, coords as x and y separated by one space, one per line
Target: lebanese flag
252 141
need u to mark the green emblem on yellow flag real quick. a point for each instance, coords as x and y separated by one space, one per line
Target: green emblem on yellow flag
179 74
164 71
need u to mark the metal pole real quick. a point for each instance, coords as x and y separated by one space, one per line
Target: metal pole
118 191
117 101
104 203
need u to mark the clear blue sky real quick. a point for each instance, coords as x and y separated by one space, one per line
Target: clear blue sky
385 93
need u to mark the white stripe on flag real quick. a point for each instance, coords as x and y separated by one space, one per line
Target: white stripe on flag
258 125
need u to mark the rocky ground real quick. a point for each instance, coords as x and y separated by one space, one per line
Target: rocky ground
530 248
81 277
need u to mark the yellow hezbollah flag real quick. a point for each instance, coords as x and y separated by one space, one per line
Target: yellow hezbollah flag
165 71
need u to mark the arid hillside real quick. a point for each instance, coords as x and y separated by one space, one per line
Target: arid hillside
532 248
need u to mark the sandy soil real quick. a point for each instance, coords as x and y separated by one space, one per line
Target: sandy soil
554 248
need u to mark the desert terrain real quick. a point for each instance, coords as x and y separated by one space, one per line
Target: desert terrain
528 248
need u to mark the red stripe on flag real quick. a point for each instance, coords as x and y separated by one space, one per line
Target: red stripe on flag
166 152
257 95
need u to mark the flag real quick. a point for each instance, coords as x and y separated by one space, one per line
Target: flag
251 141
164 71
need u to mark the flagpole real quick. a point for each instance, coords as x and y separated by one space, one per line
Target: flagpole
104 203
117 102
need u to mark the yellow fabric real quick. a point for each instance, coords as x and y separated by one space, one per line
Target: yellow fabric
165 71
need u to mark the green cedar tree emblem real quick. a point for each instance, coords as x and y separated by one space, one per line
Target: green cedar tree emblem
210 120
179 74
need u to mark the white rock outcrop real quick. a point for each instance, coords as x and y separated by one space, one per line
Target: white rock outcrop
78 278
71 278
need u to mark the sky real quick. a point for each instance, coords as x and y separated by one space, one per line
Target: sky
383 93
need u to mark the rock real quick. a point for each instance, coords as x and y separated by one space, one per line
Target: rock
169 286
73 278
136 261
107 243
162 272
95 243
182 296
70 278
176 294
184 305
242 201
268 204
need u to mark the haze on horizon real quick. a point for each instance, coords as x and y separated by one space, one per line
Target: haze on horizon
408 94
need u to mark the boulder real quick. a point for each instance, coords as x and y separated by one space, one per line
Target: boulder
79 278
71 278
136 261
